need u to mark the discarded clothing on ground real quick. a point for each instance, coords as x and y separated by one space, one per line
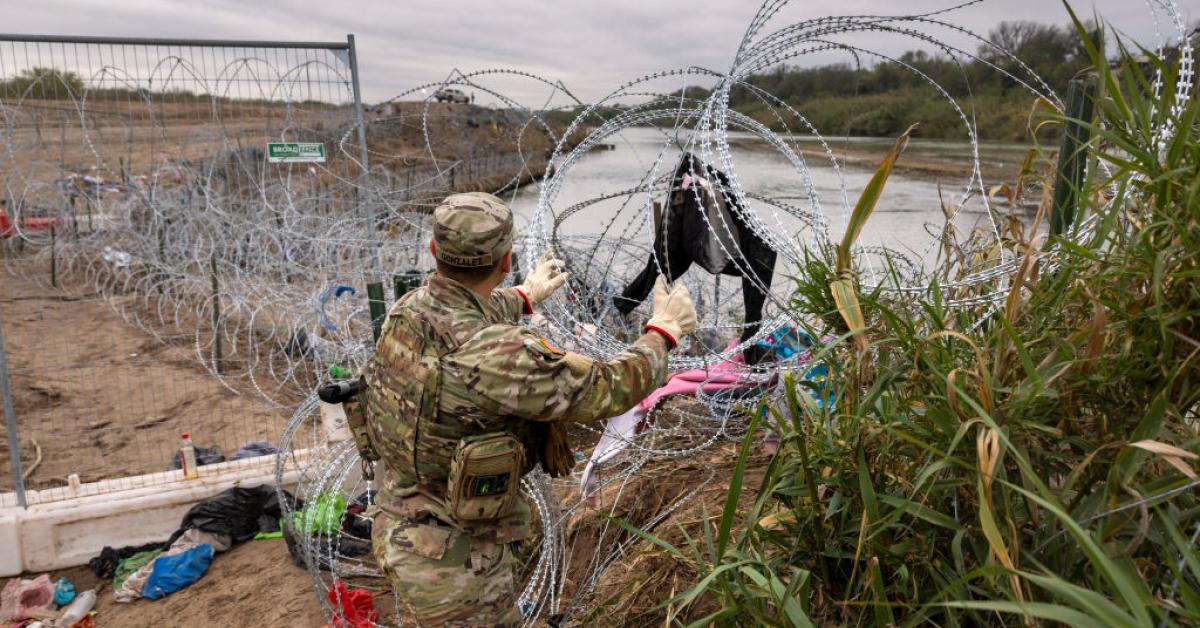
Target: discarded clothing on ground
347 526
357 527
131 565
364 499
723 375
238 513
105 565
352 608
204 455
618 434
296 549
254 449
64 592
620 430
174 572
787 342
357 523
23 599
135 585
232 516
131 587
726 382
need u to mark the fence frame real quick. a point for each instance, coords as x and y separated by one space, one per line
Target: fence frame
10 422
347 48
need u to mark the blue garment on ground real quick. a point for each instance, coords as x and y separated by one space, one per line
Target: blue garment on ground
64 592
172 573
786 342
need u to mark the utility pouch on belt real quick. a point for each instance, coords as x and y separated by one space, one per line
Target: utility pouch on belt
484 477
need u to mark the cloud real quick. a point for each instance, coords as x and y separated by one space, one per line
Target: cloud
591 47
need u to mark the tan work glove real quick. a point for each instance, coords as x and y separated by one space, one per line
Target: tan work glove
544 280
674 315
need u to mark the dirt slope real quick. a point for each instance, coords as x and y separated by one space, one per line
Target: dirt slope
104 399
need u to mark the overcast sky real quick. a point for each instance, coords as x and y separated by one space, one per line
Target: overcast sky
592 47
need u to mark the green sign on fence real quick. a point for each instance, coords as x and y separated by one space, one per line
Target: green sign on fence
295 151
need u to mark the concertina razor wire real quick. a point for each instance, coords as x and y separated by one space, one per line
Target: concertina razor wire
265 265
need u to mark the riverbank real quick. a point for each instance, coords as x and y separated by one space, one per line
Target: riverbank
931 160
424 150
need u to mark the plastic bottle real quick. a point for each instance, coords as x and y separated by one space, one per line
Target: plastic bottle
187 458
81 606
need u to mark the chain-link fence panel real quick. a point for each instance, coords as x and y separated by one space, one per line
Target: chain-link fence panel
167 210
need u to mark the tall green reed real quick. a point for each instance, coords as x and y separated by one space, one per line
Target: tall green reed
1038 468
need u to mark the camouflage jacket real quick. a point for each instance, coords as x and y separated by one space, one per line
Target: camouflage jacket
450 364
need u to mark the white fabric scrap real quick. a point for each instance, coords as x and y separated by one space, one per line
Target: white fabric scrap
117 258
618 433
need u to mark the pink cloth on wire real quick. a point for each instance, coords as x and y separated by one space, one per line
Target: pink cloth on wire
720 376
620 430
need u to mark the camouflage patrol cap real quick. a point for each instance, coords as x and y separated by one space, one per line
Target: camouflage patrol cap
472 229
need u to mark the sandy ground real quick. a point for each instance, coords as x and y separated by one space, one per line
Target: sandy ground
104 399
253 584
256 584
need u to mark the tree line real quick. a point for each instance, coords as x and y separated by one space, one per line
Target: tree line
883 99
43 83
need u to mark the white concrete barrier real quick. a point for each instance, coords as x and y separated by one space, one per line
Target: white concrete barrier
67 526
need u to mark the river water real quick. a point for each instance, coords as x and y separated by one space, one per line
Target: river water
905 215
606 243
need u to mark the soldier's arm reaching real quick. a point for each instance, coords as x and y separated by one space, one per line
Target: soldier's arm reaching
511 303
610 387
515 372
511 371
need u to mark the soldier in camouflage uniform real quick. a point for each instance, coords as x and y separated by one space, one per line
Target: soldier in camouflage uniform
453 362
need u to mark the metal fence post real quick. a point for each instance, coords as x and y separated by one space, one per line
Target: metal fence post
403 283
377 307
216 313
356 87
10 422
358 112
53 258
1072 157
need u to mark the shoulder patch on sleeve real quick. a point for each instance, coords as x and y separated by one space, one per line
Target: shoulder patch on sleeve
541 348
553 349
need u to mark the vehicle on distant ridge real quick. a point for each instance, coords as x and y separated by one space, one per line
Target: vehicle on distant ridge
450 94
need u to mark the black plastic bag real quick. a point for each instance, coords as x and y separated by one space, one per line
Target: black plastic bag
238 512
344 545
